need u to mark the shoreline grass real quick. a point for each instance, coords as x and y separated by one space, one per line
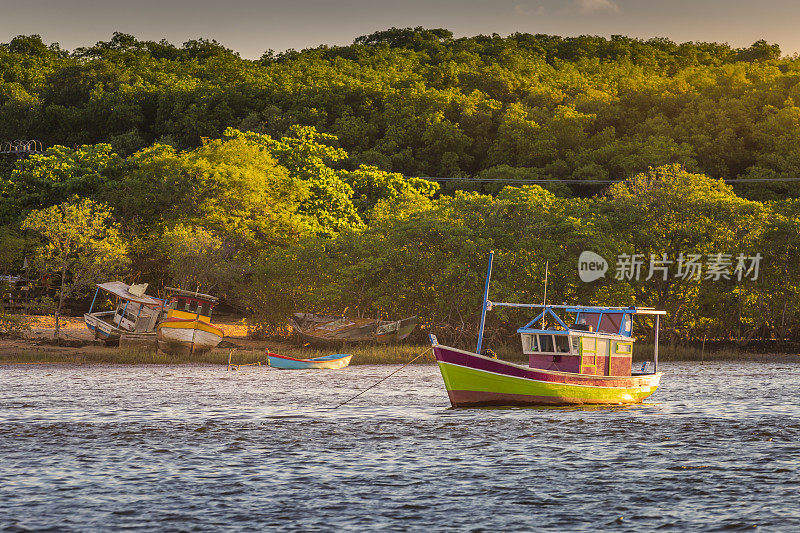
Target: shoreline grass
369 354
362 355
667 353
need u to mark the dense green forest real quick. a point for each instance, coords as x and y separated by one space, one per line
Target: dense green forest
285 183
422 103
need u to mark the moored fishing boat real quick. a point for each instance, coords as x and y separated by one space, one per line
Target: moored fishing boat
187 328
326 330
338 360
135 313
587 362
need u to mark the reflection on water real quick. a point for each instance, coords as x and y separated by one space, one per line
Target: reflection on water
190 448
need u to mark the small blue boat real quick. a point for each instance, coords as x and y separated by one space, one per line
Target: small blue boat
337 360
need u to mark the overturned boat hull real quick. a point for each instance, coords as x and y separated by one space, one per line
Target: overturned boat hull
474 380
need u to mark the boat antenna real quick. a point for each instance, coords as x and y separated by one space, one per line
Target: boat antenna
544 298
485 302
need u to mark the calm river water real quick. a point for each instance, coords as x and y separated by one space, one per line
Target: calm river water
187 448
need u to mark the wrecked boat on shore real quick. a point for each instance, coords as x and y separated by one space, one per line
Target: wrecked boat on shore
327 329
135 315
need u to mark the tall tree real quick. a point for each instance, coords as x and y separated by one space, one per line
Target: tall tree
81 243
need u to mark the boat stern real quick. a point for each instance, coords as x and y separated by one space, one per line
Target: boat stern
187 337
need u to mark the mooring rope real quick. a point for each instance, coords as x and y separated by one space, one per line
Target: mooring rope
237 366
382 379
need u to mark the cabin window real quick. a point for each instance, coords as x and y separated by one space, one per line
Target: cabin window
610 323
546 343
624 347
562 344
192 307
580 323
591 320
205 310
529 344
576 342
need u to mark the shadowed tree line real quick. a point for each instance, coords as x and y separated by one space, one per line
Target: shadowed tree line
275 226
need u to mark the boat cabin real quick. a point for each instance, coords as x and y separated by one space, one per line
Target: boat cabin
598 342
135 312
190 305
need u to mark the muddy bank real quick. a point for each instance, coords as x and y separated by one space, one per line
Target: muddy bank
78 345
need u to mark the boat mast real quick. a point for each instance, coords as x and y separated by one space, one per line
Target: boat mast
544 298
655 348
485 302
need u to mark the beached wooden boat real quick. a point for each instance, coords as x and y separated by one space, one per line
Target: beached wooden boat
135 313
325 329
338 360
187 328
587 362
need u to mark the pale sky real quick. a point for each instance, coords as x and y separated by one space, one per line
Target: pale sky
252 26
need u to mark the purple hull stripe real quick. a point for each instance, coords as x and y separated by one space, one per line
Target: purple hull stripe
469 360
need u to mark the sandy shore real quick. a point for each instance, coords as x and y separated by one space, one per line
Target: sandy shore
80 341
80 346
42 327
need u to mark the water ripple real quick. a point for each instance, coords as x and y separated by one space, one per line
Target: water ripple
192 448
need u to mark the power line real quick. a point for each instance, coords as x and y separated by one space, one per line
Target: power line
579 182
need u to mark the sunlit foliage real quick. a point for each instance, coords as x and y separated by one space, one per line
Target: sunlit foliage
423 103
295 182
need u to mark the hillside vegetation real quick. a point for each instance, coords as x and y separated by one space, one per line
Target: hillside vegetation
422 103
286 183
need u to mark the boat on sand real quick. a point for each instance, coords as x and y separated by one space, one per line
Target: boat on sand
187 328
581 360
338 360
326 329
135 314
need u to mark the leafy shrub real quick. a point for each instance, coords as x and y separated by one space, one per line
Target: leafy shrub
13 326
